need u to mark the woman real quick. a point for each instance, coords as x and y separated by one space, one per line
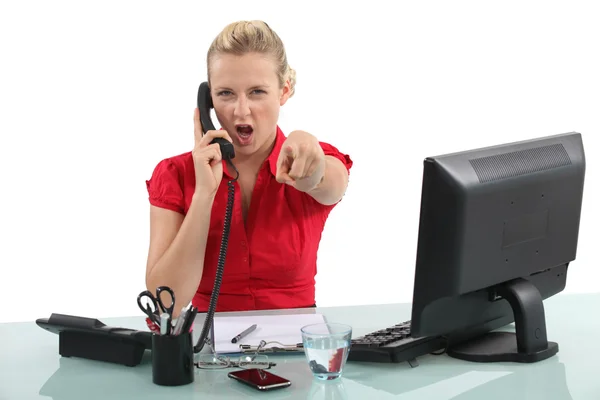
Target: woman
286 189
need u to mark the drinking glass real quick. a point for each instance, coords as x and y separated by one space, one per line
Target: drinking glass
326 347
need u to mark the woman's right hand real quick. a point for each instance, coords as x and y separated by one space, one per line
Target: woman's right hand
207 158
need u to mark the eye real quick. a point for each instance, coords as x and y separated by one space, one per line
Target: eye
223 93
258 91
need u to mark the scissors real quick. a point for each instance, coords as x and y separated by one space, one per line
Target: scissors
155 305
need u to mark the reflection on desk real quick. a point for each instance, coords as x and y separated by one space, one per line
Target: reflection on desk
463 381
333 390
78 379
30 366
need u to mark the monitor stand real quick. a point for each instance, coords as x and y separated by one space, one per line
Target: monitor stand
529 344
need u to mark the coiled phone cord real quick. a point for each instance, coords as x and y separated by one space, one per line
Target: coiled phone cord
220 264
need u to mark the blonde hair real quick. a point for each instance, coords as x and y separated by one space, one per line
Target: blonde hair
242 37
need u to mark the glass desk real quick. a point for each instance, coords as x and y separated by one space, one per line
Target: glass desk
31 368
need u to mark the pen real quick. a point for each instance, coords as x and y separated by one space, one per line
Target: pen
180 321
244 333
189 320
164 324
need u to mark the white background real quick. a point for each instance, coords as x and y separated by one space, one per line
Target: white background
94 94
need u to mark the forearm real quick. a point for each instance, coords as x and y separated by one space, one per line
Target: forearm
333 185
182 264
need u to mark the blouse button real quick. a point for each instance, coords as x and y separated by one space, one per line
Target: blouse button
243 243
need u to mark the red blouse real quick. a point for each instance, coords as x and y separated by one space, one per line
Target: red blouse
271 262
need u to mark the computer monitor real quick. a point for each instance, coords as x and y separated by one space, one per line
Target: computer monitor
498 228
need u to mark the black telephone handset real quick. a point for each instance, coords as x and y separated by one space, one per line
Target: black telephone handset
227 152
204 105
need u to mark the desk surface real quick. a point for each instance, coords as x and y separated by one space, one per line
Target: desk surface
31 368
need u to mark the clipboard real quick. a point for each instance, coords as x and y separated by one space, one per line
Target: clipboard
281 332
280 348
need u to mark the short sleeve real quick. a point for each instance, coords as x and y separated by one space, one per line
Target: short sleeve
330 150
164 187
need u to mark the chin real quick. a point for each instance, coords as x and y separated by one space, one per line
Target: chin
245 149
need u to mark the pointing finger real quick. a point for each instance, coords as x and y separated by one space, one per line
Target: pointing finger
283 155
283 167
289 150
297 170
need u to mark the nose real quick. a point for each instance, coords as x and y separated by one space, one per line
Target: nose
242 108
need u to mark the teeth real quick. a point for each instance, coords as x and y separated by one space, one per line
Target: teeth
244 130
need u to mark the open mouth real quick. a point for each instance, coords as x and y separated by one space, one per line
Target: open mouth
244 132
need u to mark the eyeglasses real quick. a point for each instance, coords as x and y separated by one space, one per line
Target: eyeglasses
251 361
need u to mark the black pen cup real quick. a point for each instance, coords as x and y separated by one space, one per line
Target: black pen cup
172 359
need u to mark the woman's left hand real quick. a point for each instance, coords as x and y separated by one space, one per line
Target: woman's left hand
301 162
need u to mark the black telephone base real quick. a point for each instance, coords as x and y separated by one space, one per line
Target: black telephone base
100 348
92 339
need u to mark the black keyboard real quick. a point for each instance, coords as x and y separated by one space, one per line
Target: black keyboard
393 345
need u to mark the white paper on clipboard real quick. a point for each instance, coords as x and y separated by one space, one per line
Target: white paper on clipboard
284 329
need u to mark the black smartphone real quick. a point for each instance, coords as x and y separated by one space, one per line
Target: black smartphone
259 379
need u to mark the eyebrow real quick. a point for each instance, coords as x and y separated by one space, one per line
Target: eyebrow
262 86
